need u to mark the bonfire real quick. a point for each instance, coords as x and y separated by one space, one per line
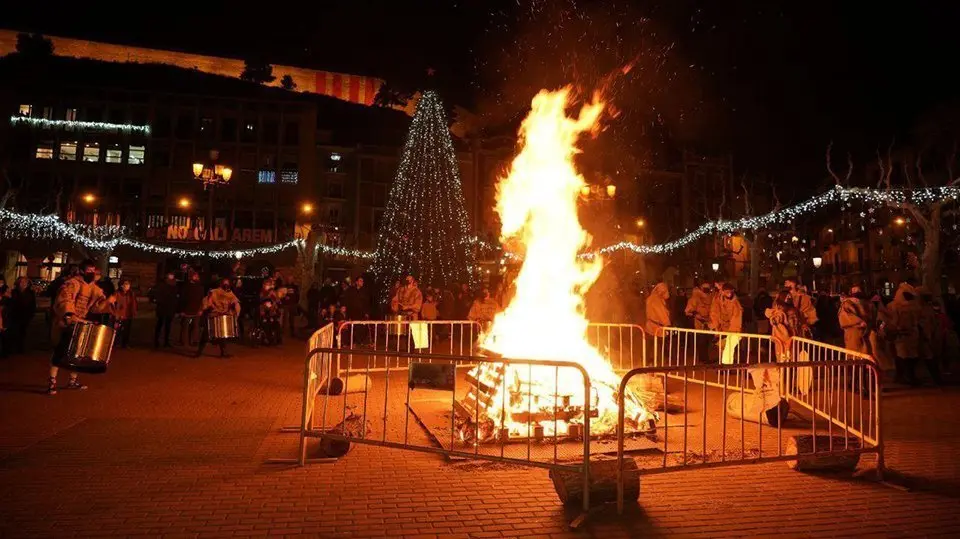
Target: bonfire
544 320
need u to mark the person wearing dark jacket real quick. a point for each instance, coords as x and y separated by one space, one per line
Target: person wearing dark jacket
20 308
313 305
192 293
165 298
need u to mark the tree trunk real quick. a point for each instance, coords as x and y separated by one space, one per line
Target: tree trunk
307 256
802 446
930 259
754 265
603 482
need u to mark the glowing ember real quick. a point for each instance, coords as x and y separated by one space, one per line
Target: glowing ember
537 203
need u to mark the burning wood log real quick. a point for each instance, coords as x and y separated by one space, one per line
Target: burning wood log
802 446
355 383
603 482
353 426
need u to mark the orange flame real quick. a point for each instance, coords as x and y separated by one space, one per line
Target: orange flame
537 203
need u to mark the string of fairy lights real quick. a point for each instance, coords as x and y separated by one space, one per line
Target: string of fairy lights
71 125
425 224
108 237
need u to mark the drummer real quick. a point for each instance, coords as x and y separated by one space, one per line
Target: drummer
78 296
219 301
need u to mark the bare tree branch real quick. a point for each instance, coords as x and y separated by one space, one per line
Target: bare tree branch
846 179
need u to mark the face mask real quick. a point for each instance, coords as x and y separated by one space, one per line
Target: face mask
89 277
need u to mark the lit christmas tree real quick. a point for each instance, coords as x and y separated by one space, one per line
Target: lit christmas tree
425 231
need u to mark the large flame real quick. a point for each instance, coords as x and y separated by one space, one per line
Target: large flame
537 203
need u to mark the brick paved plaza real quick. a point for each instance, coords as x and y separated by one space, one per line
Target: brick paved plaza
165 444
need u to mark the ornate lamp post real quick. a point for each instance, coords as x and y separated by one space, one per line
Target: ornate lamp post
212 174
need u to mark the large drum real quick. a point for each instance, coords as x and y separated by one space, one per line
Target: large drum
222 326
90 348
401 326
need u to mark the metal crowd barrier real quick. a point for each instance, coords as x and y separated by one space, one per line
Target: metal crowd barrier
317 370
454 337
427 390
681 347
619 343
842 398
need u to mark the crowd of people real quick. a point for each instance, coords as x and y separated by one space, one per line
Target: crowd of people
913 327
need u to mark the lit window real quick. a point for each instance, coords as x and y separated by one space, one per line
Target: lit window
114 154
68 151
137 155
71 115
333 165
266 176
45 151
26 110
289 176
91 153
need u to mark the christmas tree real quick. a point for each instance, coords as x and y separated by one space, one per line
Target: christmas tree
424 231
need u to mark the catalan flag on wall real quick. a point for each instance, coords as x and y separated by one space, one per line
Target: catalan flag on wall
353 88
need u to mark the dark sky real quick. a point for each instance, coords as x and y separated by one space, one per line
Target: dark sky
773 81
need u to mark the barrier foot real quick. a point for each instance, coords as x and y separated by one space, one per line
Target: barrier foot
291 428
579 521
876 475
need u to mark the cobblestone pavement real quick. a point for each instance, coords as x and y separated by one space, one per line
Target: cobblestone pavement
165 444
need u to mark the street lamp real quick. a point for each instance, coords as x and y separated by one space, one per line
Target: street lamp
184 202
306 208
89 198
641 223
817 262
211 174
611 190
715 266
899 221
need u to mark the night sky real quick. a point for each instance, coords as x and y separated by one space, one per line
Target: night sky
771 81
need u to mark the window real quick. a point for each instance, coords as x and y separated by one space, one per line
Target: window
26 110
184 127
45 150
206 128
68 151
53 265
333 216
249 132
334 162
71 115
94 114
292 134
91 152
289 175
266 176
47 113
137 155
161 126
114 154
270 132
228 129
160 157
334 188
22 266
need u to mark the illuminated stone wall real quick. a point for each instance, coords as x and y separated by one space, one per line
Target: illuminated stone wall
353 88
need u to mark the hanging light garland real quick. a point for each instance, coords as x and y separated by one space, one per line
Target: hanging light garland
843 195
74 125
109 237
